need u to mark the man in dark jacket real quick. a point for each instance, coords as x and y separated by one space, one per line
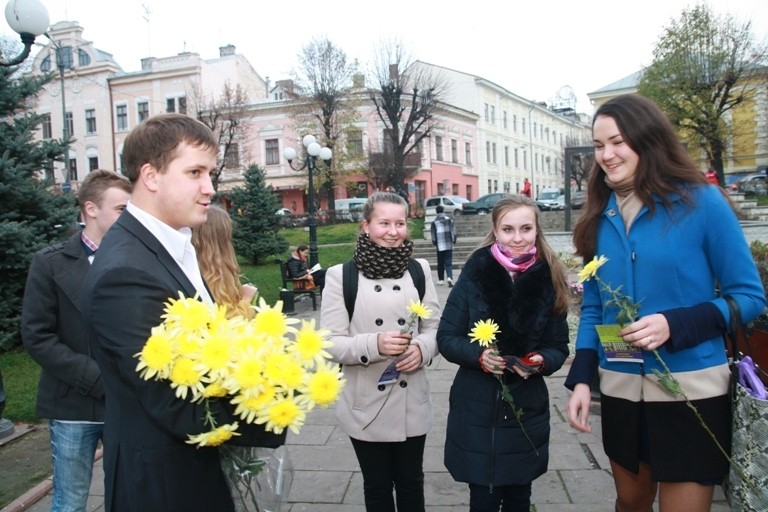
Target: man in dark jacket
70 392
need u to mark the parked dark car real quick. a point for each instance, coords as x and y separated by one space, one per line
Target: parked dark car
483 205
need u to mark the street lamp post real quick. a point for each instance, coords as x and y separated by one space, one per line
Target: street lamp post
65 130
314 151
29 18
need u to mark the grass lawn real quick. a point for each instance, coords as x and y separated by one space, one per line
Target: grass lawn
336 245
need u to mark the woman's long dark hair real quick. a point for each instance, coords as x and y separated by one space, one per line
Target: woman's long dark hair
664 166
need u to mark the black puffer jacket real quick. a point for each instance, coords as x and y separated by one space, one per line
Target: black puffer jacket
484 443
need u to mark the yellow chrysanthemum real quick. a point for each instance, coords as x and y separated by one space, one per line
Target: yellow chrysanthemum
310 343
215 437
324 385
420 310
191 315
484 332
590 269
156 356
283 414
215 353
271 321
184 377
247 407
246 373
280 369
187 344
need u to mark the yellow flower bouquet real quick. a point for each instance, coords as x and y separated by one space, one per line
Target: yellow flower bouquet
271 370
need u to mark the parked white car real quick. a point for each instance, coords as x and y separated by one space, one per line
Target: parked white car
453 205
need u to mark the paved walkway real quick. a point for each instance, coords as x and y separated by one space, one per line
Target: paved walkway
328 479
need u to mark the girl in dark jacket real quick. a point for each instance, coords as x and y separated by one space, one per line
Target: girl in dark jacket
514 279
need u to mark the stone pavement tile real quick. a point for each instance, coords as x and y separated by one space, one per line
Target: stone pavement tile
322 458
319 487
589 488
441 490
311 435
548 488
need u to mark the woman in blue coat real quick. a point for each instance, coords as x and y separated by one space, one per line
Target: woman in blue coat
514 279
671 241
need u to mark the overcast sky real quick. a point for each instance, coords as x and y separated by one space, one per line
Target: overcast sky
532 48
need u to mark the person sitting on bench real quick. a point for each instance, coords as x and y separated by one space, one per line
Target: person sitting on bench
298 268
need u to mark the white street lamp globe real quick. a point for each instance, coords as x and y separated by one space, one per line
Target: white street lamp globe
289 154
326 154
27 17
313 148
307 140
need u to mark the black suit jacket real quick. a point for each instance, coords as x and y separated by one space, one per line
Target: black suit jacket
148 464
55 336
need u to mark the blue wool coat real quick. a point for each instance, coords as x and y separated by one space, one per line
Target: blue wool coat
674 258
484 442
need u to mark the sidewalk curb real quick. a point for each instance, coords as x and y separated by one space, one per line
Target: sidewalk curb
35 494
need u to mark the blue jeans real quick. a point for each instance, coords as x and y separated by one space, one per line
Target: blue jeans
73 446
444 264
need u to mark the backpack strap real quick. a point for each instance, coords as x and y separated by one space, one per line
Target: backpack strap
349 285
349 273
417 276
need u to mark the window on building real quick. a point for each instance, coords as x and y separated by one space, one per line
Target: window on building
467 154
468 194
70 123
73 169
83 57
232 156
493 115
121 113
93 163
273 151
65 54
517 161
514 122
504 119
506 156
46 125
176 105
522 122
355 143
493 147
454 151
495 185
489 186
488 151
438 147
487 115
90 121
142 111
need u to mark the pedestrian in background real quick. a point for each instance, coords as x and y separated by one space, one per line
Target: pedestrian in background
71 392
443 238
526 188
671 241
711 175
387 420
516 280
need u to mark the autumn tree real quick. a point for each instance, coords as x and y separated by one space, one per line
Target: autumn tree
406 97
703 67
325 104
224 115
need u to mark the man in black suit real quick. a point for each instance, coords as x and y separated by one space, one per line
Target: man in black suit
146 259
70 393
